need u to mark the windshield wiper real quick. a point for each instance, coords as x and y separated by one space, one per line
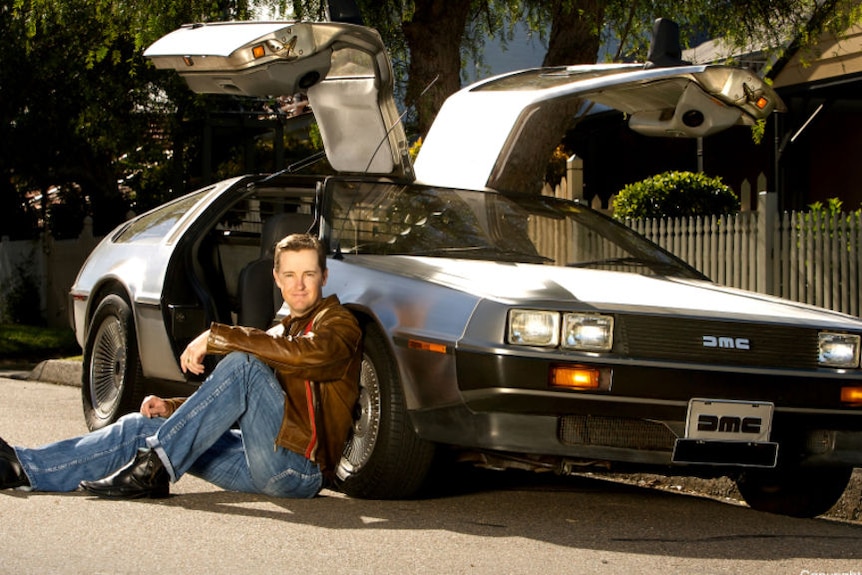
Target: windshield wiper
655 265
487 252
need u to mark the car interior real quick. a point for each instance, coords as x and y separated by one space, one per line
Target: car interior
257 295
227 276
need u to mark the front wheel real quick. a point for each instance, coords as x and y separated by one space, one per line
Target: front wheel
384 458
111 385
797 491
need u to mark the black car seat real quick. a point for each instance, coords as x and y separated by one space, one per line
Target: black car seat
259 297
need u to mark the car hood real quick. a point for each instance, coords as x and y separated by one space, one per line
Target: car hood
541 286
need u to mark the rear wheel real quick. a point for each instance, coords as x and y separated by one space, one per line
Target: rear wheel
796 491
112 378
384 458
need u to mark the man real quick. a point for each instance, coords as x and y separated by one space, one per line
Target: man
292 391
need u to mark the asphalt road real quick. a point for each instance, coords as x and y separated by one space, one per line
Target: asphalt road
494 523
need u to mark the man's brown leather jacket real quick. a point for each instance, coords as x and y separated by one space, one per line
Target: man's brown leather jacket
317 358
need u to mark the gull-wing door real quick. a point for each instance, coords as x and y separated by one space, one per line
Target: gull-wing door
499 133
342 68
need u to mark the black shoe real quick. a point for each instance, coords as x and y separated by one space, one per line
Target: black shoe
11 474
144 477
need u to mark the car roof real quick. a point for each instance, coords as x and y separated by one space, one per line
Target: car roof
495 134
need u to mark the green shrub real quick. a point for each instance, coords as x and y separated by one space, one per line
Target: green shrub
832 207
27 342
675 194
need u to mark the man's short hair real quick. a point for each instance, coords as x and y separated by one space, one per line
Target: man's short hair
297 243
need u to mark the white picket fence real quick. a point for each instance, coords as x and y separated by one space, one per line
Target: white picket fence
808 257
48 265
824 254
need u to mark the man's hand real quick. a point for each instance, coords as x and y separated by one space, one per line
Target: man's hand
153 406
191 360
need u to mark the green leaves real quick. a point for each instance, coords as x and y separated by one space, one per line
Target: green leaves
82 109
675 194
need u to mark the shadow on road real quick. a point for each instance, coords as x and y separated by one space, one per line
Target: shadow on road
577 512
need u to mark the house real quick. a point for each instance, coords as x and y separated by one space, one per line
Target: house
822 131
814 144
807 154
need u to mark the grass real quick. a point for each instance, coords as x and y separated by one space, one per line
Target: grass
27 343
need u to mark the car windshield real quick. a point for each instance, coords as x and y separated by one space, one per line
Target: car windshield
394 219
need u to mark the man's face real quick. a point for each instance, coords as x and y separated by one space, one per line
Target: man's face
300 280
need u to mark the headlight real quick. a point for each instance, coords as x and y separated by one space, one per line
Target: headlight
531 327
838 349
588 332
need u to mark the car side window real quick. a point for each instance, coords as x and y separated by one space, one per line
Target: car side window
156 225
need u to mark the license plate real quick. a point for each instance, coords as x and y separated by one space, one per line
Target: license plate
727 420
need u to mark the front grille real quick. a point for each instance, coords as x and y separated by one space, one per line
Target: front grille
682 339
621 432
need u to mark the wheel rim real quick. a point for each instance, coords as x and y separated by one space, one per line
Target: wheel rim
366 425
108 367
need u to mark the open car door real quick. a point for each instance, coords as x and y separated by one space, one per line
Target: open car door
499 133
342 68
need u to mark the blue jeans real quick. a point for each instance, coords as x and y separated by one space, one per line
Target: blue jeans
197 439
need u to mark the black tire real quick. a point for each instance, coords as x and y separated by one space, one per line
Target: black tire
797 491
112 381
384 458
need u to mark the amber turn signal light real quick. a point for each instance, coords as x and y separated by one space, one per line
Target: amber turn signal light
426 346
851 395
575 377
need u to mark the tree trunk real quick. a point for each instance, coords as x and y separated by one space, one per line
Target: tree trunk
575 32
434 39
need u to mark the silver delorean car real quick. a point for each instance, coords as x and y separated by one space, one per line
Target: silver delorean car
514 329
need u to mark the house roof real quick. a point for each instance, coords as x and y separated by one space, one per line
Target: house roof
831 58
720 51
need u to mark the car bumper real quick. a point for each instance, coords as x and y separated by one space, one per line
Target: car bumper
641 417
615 439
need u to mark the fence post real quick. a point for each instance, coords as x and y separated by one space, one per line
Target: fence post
46 274
575 178
745 196
767 211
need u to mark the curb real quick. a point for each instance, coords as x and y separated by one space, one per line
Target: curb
59 371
